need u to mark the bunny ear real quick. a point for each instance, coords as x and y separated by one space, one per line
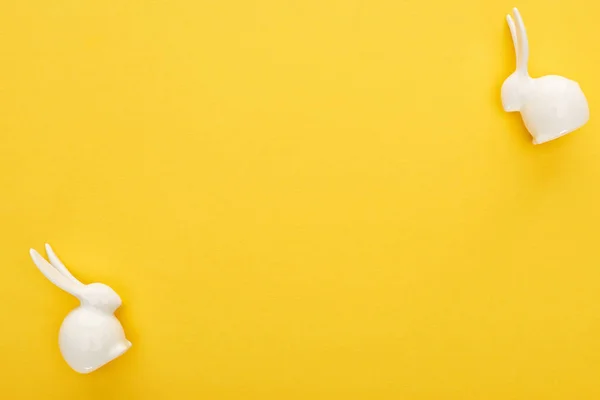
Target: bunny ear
56 263
513 34
54 275
523 57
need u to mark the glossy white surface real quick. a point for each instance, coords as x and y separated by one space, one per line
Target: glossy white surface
551 106
90 336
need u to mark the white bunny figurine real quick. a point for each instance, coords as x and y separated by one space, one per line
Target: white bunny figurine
551 106
90 336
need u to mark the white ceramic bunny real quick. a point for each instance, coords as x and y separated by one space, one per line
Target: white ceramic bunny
90 336
551 106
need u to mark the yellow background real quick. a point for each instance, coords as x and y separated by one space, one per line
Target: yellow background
303 199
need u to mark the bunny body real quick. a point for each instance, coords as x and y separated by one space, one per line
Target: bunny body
90 336
551 106
88 339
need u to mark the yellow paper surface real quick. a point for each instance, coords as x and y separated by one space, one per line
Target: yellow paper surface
316 199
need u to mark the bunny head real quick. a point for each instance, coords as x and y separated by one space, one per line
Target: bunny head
90 336
101 296
551 106
514 92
